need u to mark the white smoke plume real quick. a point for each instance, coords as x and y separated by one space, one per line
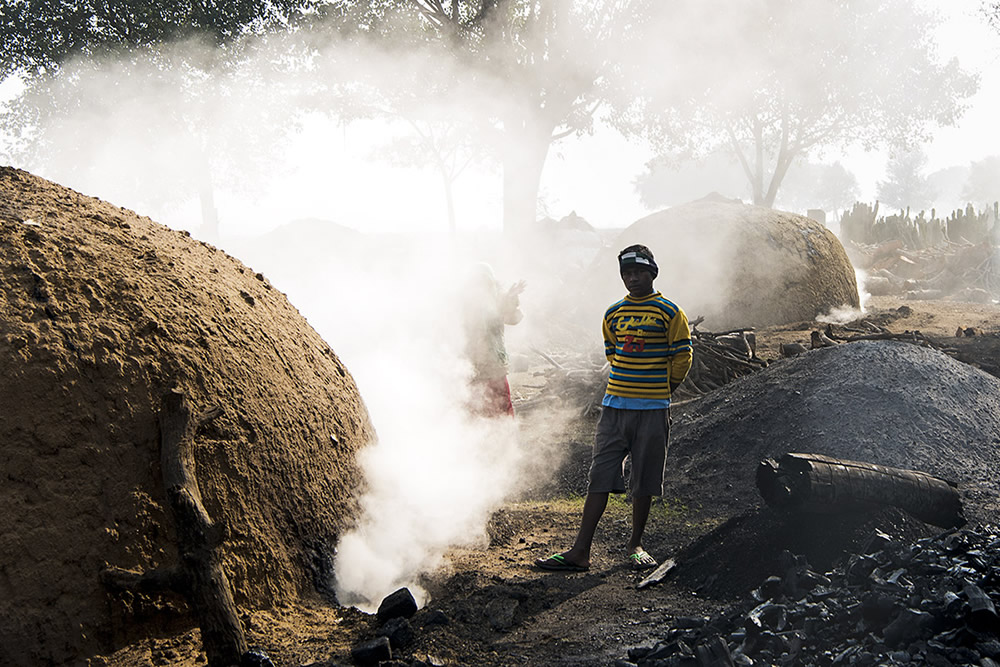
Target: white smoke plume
392 308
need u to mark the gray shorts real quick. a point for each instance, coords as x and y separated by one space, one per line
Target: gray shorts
641 434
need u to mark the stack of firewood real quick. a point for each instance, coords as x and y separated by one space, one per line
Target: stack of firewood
948 270
719 358
862 224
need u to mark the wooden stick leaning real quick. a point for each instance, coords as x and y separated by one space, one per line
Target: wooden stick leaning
198 576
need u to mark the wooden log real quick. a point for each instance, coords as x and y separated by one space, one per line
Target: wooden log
817 483
198 576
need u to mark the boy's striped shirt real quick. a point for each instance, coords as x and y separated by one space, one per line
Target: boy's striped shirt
648 343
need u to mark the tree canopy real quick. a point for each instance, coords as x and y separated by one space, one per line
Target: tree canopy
776 80
773 82
906 184
983 184
39 35
523 74
149 77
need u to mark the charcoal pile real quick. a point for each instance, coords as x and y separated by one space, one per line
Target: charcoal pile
969 344
931 602
883 402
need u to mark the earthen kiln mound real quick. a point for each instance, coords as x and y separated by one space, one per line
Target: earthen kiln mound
103 312
743 266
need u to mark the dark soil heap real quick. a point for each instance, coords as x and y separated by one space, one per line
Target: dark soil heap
103 312
743 266
885 402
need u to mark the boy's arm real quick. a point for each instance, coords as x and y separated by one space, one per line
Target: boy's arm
511 304
681 349
610 340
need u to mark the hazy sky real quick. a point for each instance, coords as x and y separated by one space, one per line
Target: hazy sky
965 35
593 175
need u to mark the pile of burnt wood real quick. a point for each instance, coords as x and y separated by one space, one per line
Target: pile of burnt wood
961 272
927 603
719 358
579 380
926 258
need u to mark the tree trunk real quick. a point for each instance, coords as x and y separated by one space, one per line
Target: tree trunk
209 214
448 182
758 174
526 146
780 171
206 195
783 160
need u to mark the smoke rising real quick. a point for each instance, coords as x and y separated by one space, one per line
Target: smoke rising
393 307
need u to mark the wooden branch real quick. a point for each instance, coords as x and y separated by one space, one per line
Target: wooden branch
547 358
908 336
198 538
732 331
198 576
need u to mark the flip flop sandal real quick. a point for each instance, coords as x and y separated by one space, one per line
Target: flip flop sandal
641 561
558 563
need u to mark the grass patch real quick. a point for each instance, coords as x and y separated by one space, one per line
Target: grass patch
618 504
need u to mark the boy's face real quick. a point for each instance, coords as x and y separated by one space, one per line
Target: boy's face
638 282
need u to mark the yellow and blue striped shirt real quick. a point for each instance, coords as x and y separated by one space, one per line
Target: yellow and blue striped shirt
648 343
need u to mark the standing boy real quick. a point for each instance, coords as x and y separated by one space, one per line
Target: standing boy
647 341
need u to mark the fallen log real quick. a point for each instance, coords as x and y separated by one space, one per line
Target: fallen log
817 483
198 576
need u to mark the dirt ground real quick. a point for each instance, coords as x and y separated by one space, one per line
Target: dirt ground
489 606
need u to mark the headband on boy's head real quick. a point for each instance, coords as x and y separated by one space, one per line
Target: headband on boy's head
637 259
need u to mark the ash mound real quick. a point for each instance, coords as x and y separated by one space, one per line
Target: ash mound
885 402
104 312
739 265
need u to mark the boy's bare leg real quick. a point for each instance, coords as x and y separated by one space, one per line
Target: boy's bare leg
640 514
593 508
